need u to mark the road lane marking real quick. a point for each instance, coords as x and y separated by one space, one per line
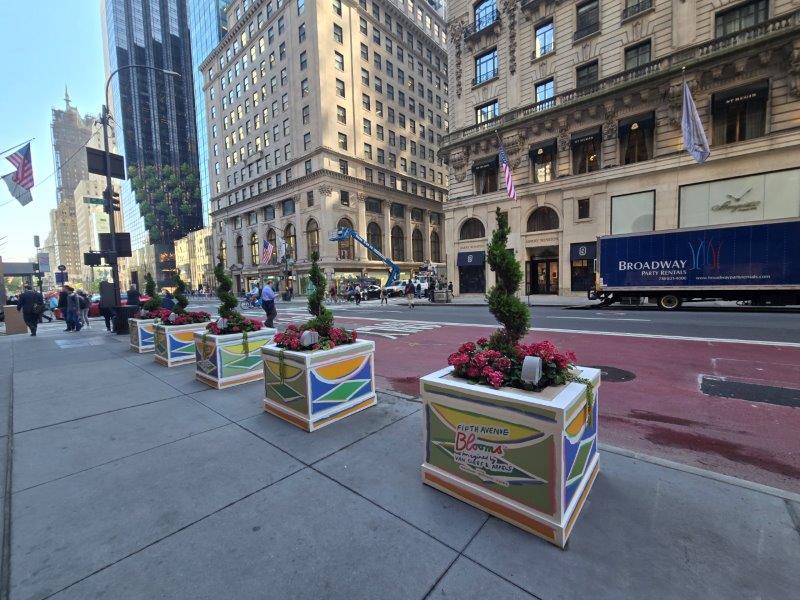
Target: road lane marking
599 319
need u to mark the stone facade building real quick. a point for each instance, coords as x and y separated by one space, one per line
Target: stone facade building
323 115
587 98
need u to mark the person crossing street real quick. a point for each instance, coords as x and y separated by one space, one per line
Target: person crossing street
268 304
410 291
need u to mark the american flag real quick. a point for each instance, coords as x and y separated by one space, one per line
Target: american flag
512 193
266 252
21 159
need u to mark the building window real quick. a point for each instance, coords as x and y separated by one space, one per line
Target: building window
239 250
367 126
586 75
633 213
304 88
545 92
398 244
583 208
344 197
343 167
544 39
301 6
338 61
367 151
272 239
588 19
254 257
740 114
307 166
375 236
486 66
472 229
346 246
485 14
288 207
585 153
398 211
436 248
269 212
637 56
301 33
290 237
741 17
636 138
543 218
485 175
487 112
416 246
312 237
340 88
337 7
342 141
338 36
543 159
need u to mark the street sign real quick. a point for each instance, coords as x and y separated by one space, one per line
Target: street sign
62 277
92 200
92 259
36 241
62 268
44 261
96 161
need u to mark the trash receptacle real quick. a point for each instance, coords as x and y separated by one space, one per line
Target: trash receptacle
121 316
440 296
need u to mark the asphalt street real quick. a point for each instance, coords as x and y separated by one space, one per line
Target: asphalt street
764 325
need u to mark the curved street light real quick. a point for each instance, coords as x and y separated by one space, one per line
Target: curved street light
121 324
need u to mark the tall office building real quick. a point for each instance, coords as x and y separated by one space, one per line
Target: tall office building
154 116
207 26
586 97
321 116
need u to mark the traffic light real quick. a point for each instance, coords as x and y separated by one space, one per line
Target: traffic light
115 202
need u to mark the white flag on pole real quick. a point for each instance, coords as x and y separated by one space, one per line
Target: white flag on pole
694 136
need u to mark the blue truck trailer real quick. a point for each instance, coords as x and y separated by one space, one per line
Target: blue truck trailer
757 263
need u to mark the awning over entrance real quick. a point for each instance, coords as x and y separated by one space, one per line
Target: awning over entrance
471 259
583 251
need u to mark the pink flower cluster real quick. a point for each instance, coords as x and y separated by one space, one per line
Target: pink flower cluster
548 353
235 324
199 316
474 361
290 339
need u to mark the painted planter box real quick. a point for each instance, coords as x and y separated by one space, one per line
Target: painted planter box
175 343
226 360
529 458
314 389
142 332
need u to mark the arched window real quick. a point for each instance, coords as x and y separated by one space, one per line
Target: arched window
416 245
272 238
436 249
290 238
347 250
254 249
223 253
239 250
471 229
398 243
543 218
375 236
312 237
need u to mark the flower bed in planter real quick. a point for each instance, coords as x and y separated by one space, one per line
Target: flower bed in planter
142 332
228 359
527 457
315 388
175 338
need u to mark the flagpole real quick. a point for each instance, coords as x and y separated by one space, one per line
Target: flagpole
17 146
680 153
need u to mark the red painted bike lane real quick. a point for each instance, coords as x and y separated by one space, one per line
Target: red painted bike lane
662 412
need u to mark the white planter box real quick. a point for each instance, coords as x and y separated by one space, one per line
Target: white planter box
142 332
226 360
314 389
529 458
175 343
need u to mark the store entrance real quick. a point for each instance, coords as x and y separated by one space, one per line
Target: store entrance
542 270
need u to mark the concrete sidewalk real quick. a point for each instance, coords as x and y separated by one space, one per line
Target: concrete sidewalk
131 480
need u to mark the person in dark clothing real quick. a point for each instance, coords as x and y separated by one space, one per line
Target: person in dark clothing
62 303
133 296
168 301
31 304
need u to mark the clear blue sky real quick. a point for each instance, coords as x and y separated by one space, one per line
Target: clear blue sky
44 45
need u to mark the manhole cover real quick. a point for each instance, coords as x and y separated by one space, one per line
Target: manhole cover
614 375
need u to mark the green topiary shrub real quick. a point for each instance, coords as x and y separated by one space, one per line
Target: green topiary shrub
224 285
509 310
323 318
181 302
150 290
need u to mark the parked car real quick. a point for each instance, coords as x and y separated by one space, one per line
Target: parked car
397 289
94 305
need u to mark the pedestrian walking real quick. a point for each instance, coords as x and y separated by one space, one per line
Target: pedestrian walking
410 291
334 297
83 299
290 289
168 300
133 297
31 304
62 303
357 292
384 296
50 307
73 310
268 304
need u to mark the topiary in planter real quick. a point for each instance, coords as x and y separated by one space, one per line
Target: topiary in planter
224 285
509 310
150 289
181 302
322 318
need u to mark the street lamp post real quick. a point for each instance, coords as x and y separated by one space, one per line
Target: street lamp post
108 197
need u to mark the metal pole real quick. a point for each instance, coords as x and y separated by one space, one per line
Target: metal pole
109 198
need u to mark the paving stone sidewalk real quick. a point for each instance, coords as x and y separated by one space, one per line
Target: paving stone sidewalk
131 480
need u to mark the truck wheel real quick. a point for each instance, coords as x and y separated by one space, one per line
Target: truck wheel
669 302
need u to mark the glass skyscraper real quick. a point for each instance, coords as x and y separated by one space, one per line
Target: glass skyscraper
154 115
207 25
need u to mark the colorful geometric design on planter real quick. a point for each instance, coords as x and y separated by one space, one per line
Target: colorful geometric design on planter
286 383
146 334
207 358
580 446
516 461
340 382
181 343
236 361
161 342
134 332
